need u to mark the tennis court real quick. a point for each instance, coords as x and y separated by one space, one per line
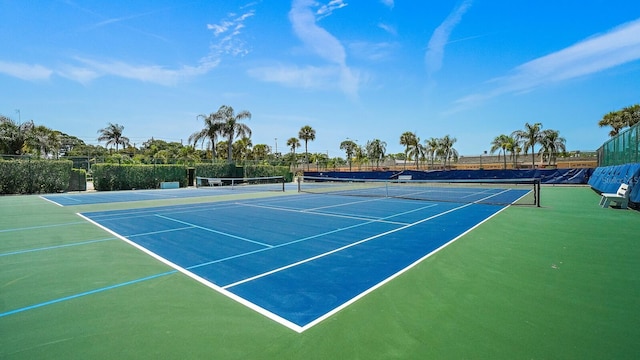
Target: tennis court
528 282
296 259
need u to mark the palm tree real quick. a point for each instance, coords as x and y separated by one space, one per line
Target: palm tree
112 134
416 150
375 150
431 147
349 147
232 127
293 143
43 141
500 142
613 119
261 151
212 128
618 120
13 136
552 143
360 156
306 133
447 150
631 114
241 148
513 147
531 135
409 140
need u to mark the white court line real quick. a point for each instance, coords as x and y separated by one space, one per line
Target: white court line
215 231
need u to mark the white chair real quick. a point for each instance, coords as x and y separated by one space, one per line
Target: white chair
620 197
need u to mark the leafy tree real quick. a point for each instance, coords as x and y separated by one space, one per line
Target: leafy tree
307 133
531 135
376 150
349 147
112 134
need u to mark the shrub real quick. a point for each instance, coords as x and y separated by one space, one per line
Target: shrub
34 176
127 176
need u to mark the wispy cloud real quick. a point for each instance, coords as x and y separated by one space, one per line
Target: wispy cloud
618 46
388 28
146 73
327 10
85 69
25 71
227 32
440 38
322 43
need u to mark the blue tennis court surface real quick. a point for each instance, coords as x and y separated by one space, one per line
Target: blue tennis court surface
295 259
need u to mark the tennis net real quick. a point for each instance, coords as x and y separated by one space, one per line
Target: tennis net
483 191
267 183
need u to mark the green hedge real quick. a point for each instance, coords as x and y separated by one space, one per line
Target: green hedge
251 171
127 176
246 171
34 176
217 170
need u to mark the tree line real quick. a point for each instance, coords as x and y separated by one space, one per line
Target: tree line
228 138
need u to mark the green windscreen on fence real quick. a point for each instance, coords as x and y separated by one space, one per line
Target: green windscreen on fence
623 148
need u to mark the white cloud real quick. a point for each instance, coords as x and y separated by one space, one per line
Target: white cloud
321 42
327 10
146 73
308 77
440 38
618 46
25 71
82 75
388 3
228 31
372 51
388 28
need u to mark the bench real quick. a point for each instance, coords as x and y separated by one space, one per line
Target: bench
204 181
404 177
169 185
620 197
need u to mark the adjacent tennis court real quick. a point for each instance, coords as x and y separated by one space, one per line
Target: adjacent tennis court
298 259
227 187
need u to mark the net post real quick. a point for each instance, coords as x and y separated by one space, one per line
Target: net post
298 181
283 181
537 192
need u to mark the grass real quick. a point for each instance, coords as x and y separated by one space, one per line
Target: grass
553 282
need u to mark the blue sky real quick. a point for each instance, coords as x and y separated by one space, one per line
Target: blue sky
364 70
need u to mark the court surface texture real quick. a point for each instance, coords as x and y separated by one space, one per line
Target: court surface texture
295 259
